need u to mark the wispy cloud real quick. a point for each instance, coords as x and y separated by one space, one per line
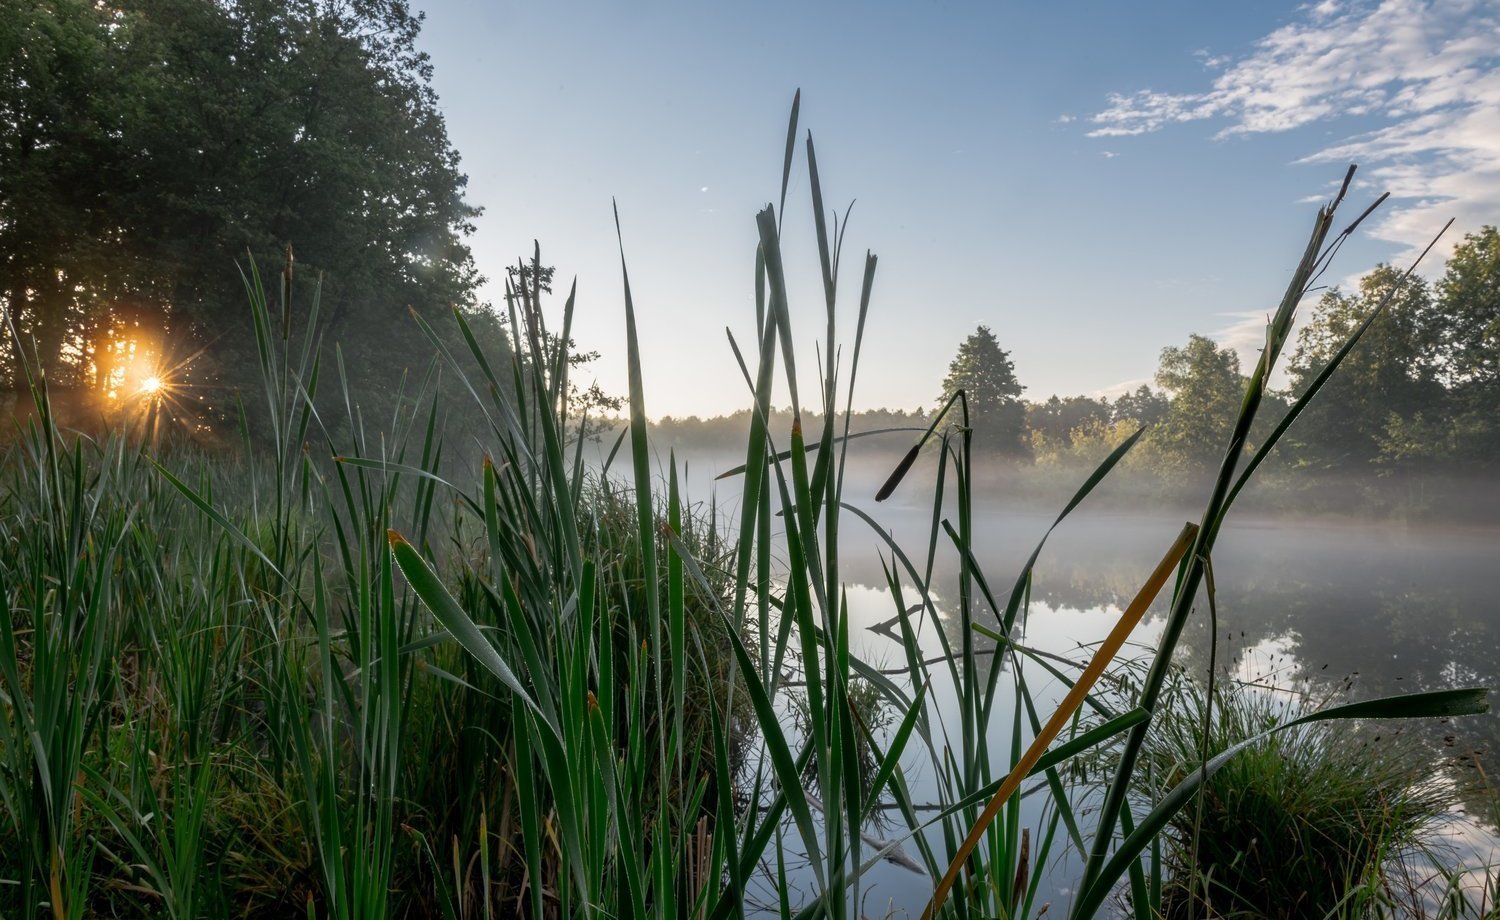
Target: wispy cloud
1430 71
1244 332
1210 61
1116 390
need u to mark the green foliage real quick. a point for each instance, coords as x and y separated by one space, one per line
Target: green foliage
1384 384
987 377
1421 391
1468 330
57 646
1054 422
1088 444
325 679
1144 406
1468 321
1205 384
144 143
61 83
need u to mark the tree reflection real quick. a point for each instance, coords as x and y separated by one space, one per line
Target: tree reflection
1385 610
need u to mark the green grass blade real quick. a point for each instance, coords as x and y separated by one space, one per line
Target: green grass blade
425 582
791 150
1433 704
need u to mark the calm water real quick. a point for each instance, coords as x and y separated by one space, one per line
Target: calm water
1389 608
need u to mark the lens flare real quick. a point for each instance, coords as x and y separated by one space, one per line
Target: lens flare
151 385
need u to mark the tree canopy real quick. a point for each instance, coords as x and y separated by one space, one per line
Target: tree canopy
1204 382
1143 405
1392 372
1467 322
987 376
147 144
1467 329
1055 421
1422 387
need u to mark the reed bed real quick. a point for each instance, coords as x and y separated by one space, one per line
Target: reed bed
337 679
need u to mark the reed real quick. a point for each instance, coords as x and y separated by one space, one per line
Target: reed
334 677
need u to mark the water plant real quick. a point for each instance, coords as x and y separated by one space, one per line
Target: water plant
331 676
1303 823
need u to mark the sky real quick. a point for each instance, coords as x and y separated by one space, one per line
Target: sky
1092 180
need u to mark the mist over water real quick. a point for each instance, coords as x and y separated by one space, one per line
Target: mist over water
1336 603
1394 604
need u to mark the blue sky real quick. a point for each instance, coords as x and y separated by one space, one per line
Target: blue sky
1093 181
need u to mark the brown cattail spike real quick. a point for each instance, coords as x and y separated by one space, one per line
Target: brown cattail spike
286 295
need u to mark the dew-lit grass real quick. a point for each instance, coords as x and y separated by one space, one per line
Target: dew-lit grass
332 678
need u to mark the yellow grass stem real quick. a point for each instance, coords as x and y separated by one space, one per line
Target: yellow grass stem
1091 674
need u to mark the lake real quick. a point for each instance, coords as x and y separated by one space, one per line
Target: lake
1363 609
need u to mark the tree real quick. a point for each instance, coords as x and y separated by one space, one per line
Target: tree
145 145
1144 406
1206 388
1384 384
988 378
1467 324
1466 327
60 115
1053 422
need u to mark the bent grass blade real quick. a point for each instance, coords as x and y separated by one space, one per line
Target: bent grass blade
430 588
1070 704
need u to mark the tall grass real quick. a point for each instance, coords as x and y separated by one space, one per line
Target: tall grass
1305 823
331 678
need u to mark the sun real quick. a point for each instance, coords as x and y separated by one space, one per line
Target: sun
151 385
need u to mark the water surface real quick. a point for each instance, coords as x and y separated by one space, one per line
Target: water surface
1360 610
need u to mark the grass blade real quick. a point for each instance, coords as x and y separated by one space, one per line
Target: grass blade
425 582
1433 704
1106 653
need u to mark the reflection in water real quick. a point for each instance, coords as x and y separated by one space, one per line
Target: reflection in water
1366 610
1397 609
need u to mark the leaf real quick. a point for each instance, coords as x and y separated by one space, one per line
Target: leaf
425 582
217 517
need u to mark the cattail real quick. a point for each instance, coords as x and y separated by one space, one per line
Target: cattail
1023 869
286 295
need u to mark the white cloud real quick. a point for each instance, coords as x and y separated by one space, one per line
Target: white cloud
1428 69
1245 333
1211 61
1065 119
1116 390
1109 154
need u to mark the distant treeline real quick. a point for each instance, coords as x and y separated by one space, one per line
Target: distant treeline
725 434
1416 400
1418 395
